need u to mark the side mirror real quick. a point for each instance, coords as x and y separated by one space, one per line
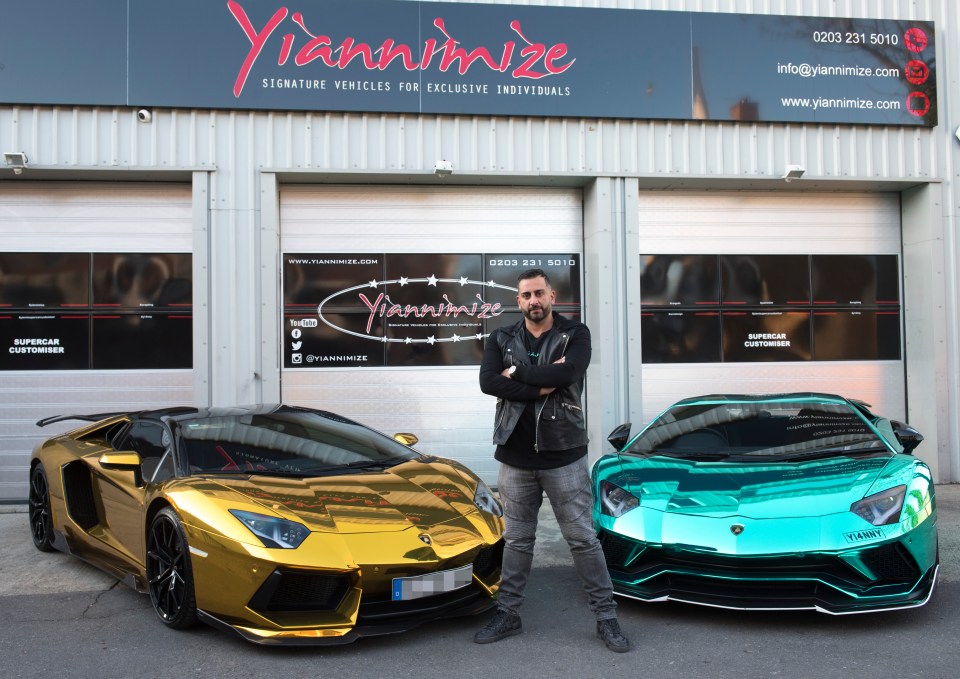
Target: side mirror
909 437
124 461
121 461
618 437
406 439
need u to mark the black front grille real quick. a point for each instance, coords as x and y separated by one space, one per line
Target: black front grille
891 563
378 610
774 567
781 581
616 550
488 561
290 590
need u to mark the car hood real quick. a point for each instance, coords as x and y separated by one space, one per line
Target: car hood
415 493
759 491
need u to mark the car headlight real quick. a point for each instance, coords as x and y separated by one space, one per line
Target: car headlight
615 501
485 500
273 531
883 508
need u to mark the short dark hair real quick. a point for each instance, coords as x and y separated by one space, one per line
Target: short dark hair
534 273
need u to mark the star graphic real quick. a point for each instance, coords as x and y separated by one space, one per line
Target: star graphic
407 341
432 280
491 283
384 339
403 281
456 338
479 335
431 339
463 280
373 283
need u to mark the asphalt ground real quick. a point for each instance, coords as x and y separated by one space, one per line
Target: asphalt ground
60 616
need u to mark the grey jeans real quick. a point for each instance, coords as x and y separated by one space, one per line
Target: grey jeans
570 495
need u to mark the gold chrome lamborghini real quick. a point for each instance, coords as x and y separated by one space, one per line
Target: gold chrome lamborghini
283 524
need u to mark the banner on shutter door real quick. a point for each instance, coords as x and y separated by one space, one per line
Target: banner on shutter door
390 310
754 308
95 311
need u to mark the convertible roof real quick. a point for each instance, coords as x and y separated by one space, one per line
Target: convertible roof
96 417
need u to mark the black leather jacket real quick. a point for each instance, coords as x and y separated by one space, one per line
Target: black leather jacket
560 423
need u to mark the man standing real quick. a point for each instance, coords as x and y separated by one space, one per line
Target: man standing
535 368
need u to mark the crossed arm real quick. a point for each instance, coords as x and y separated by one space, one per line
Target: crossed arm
530 382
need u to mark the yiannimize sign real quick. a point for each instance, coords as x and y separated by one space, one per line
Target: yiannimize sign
468 59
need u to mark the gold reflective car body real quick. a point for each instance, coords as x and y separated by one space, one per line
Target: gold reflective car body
418 518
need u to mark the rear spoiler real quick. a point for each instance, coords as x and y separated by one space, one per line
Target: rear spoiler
83 418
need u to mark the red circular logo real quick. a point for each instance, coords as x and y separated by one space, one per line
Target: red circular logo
918 104
916 72
915 39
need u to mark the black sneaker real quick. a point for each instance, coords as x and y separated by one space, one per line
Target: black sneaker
609 633
504 624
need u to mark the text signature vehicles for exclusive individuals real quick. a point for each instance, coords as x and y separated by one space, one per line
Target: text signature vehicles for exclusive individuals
788 501
283 524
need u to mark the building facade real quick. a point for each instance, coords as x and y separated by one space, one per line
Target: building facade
169 237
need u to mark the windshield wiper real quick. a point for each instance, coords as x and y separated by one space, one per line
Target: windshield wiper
373 464
708 455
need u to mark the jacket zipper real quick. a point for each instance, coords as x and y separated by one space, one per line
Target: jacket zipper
496 425
536 433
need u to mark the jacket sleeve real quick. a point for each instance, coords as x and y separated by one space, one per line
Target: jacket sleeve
495 384
559 375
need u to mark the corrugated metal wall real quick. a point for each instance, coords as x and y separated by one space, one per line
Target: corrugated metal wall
236 147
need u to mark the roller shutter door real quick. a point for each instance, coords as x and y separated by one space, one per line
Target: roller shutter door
822 228
427 228
142 232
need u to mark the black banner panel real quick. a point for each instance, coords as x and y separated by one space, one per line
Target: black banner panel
679 280
131 281
680 336
390 310
755 336
44 341
563 271
857 280
863 335
344 341
36 280
153 341
101 311
770 308
758 280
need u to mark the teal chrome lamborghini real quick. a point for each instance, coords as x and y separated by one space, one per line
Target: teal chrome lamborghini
769 502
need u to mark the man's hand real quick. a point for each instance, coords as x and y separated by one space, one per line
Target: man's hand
506 373
543 390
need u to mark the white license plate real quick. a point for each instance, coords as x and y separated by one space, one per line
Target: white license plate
418 586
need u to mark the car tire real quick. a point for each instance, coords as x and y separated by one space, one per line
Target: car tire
169 571
41 520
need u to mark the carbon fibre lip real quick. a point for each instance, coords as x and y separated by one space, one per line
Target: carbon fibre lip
472 607
932 578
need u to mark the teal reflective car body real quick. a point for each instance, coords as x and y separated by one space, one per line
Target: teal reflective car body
770 528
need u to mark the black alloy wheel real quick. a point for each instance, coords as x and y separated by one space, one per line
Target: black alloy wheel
41 522
169 573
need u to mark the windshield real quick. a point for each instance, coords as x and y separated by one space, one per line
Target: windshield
782 430
293 442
